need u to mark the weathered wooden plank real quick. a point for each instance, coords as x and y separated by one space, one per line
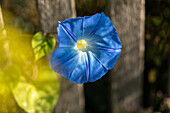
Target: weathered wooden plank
50 12
128 18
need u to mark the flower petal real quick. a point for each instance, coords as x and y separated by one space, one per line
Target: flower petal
80 74
70 64
90 24
105 35
75 26
97 70
65 40
81 27
63 61
106 56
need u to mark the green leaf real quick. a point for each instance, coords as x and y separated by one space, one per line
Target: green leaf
40 96
26 96
42 45
7 83
47 85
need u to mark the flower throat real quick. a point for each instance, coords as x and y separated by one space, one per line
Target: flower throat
81 45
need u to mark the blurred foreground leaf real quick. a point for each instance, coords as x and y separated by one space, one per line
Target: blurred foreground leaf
41 95
9 79
25 85
26 96
12 76
47 85
42 45
4 89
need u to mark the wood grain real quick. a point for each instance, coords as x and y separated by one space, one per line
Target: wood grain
128 18
50 12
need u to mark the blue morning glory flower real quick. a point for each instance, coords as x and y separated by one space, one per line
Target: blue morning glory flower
88 47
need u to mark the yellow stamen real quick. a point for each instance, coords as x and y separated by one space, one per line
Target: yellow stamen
81 44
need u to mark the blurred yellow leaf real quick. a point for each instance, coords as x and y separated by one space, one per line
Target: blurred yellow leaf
26 96
4 89
32 87
47 85
12 76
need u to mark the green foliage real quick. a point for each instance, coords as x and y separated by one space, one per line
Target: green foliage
26 85
4 89
156 53
42 45
26 96
39 96
49 93
157 33
12 76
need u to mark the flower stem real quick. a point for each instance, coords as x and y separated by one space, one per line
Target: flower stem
50 33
